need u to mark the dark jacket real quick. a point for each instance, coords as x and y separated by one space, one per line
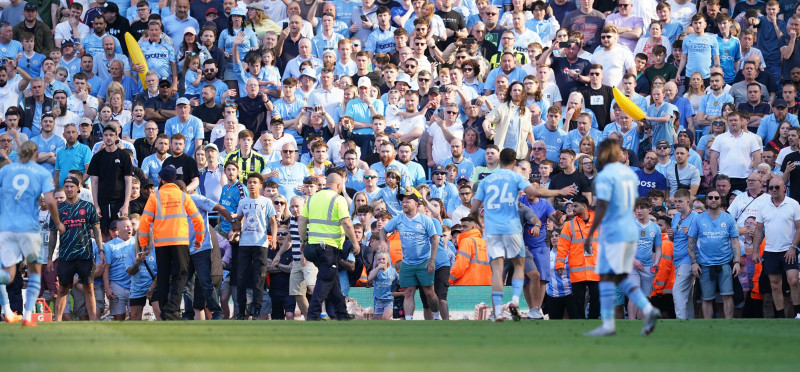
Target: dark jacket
42 36
29 109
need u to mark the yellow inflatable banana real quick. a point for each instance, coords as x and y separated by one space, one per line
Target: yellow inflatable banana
137 56
628 106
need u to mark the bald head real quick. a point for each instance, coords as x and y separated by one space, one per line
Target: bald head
334 182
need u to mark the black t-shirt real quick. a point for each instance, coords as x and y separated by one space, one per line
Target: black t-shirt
252 113
452 20
118 29
599 101
208 115
562 180
566 84
186 167
279 282
110 169
143 149
139 28
794 177
374 78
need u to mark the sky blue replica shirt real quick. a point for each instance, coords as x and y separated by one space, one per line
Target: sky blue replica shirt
204 205
158 56
553 139
649 238
229 198
192 129
543 210
617 184
713 238
680 239
415 236
729 52
448 192
120 255
289 177
699 51
142 280
78 156
498 192
20 188
465 167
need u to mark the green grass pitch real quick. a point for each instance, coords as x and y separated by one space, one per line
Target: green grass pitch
716 345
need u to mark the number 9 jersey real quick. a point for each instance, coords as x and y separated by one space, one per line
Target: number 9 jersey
21 185
618 185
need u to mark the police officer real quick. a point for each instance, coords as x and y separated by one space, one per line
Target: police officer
322 225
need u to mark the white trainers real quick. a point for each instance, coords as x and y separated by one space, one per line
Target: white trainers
600 332
535 314
797 316
650 321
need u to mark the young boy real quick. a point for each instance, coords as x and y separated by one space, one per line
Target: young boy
30 61
648 252
729 48
259 231
120 255
660 66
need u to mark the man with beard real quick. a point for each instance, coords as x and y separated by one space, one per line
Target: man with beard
176 24
146 146
208 37
649 178
93 43
152 164
210 78
185 166
48 143
117 25
184 123
74 156
464 164
355 176
507 68
387 157
161 107
160 55
569 71
209 112
413 125
415 171
111 172
43 36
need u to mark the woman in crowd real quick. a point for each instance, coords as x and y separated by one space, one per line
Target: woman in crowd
509 124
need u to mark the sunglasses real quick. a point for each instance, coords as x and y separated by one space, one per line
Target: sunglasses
467 69
288 151
770 188
539 148
452 112
662 147
4 140
370 177
718 123
411 66
594 73
713 197
283 233
423 80
623 5
279 203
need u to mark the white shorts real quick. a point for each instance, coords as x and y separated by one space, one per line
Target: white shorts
615 258
504 245
119 304
15 247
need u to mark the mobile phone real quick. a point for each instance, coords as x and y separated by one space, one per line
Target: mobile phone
563 44
285 25
364 18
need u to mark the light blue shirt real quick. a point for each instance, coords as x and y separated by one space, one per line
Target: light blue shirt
355 181
714 238
204 205
93 44
630 140
498 192
52 144
20 188
159 56
711 105
255 220
448 192
769 126
221 88
662 131
192 129
680 239
141 281
120 255
389 196
151 166
348 69
517 74
381 41
553 140
415 236
649 238
573 139
699 51
174 27
69 158
11 49
319 44
289 177
618 185
729 52
465 167
378 167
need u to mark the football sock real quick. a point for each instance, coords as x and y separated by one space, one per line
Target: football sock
607 300
4 300
497 298
796 309
634 293
516 290
409 317
31 294
436 315
780 313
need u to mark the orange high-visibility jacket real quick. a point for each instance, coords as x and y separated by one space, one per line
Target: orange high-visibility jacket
395 247
755 292
167 210
472 261
570 248
665 277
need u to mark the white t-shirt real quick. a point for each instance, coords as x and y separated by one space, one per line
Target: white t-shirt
615 62
68 118
734 153
63 31
408 125
778 223
683 13
75 105
9 94
441 147
782 155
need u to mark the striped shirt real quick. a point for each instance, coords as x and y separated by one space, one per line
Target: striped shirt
294 233
558 286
